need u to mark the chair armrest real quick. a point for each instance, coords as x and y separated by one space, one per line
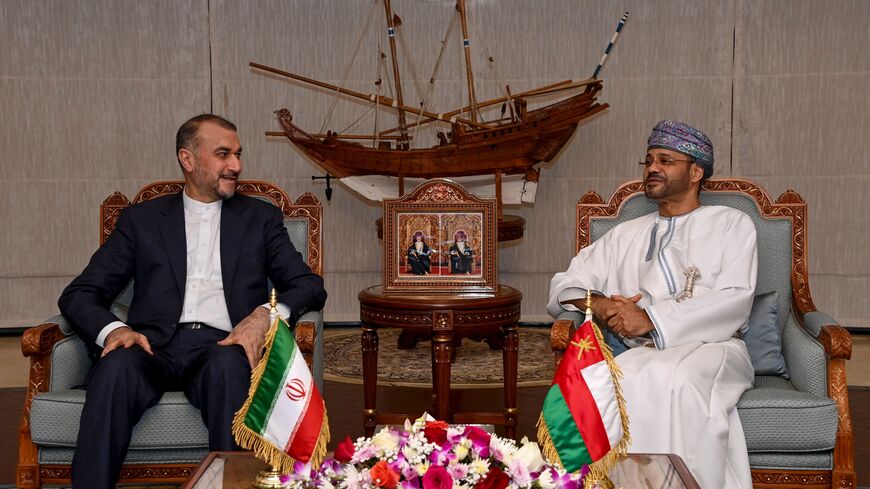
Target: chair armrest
39 340
307 329
814 321
838 347
561 333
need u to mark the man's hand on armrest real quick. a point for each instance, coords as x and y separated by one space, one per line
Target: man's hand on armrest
250 334
124 337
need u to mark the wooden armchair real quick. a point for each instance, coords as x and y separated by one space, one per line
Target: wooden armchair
170 439
798 429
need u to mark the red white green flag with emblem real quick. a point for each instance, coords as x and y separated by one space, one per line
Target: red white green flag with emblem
583 419
284 418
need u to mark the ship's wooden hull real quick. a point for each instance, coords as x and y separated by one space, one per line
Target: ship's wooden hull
510 148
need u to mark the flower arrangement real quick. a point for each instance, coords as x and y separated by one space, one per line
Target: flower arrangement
429 454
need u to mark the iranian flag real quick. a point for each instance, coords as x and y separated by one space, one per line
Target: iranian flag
284 418
581 421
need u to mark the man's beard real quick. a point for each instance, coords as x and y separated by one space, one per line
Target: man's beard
215 185
665 188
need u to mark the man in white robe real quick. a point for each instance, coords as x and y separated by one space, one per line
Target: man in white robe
688 367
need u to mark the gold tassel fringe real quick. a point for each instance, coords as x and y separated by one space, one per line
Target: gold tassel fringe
264 450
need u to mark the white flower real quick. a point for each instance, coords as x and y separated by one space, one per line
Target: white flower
461 452
386 440
519 473
502 449
530 456
422 468
479 466
545 479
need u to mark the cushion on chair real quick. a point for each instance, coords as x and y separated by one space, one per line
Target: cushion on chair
792 461
297 229
778 418
64 456
54 421
69 363
762 338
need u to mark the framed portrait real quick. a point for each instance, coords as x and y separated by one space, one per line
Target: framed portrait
439 239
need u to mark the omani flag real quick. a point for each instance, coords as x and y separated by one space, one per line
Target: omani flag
583 414
284 418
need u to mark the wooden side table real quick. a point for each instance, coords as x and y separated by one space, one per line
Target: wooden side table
443 317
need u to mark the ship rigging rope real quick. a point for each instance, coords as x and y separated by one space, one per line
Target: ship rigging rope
424 104
349 66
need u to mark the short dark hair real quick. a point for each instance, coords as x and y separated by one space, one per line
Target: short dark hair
186 135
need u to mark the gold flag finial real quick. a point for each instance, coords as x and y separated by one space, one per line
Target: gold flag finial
273 301
588 301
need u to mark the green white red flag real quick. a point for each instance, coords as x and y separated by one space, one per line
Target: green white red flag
583 419
284 418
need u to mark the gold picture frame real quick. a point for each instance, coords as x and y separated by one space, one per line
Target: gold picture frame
439 239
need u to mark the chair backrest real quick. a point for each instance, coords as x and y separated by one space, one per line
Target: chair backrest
780 228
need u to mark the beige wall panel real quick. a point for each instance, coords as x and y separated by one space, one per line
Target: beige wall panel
27 301
802 124
90 130
844 298
104 39
535 288
342 303
802 37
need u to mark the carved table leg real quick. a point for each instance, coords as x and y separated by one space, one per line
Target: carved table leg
509 360
370 378
442 354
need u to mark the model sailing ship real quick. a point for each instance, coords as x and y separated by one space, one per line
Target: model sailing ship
382 164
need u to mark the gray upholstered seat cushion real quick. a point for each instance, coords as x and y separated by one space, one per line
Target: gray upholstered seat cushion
54 420
778 418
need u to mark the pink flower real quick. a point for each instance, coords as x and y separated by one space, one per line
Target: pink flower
479 440
437 477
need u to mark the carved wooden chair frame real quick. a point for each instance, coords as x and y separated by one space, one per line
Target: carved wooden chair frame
835 339
38 342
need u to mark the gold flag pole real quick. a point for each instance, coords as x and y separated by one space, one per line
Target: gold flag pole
270 479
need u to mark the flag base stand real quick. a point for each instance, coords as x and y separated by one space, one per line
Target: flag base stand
269 479
603 483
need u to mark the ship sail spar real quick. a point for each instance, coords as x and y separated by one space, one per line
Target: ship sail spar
497 158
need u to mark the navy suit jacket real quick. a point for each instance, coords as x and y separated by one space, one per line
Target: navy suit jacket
148 245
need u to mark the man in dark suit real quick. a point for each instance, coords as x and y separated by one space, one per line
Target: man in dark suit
199 261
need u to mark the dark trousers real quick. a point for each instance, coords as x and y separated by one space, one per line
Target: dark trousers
122 385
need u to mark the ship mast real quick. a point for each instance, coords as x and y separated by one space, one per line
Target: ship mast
466 47
391 29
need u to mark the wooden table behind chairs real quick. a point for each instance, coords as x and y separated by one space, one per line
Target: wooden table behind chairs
444 317
236 470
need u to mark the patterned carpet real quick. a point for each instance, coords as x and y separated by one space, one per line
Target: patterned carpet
476 365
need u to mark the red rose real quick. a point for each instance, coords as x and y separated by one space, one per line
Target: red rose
345 450
436 432
384 476
437 477
495 479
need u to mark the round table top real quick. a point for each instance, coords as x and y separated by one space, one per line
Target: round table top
374 296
